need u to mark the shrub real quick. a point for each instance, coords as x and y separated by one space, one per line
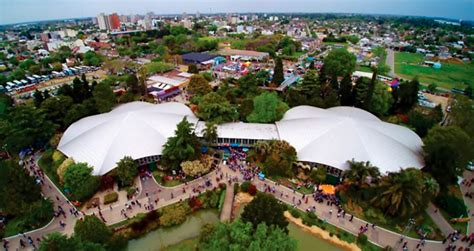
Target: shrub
221 199
174 215
252 190
131 191
57 155
310 219
62 169
47 157
331 234
454 206
245 186
110 198
236 188
362 239
295 212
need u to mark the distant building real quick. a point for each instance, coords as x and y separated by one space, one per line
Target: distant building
114 22
44 37
103 21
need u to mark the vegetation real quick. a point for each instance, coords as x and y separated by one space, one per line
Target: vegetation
265 209
198 85
127 170
158 67
174 214
243 236
275 156
215 108
181 147
110 198
92 229
80 182
195 168
267 108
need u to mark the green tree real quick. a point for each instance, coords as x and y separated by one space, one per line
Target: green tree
198 85
401 193
422 120
210 133
339 62
318 175
345 91
278 76
462 114
192 68
359 173
245 108
92 229
240 236
19 190
127 170
92 59
56 241
265 209
79 180
38 98
381 100
267 108
432 87
447 152
214 108
18 74
406 94
56 108
277 156
104 97
34 69
184 145
25 126
132 83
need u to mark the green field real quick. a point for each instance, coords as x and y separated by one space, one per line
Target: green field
409 65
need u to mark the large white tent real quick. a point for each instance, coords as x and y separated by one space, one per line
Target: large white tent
335 135
136 129
325 136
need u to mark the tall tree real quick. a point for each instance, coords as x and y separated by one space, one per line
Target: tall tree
462 114
406 94
278 76
267 108
181 147
359 173
58 242
127 170
339 62
265 209
104 97
38 98
401 193
198 85
447 152
214 108
79 180
345 91
210 133
56 108
381 100
92 229
277 157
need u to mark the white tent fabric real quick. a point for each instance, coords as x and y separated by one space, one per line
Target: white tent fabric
336 135
136 129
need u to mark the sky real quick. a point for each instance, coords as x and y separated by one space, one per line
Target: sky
14 11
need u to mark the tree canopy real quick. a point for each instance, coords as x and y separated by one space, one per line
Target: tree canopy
198 85
240 236
339 62
184 145
127 170
276 156
104 97
267 108
264 208
92 229
79 180
278 76
214 108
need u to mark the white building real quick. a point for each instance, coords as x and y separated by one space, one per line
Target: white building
103 21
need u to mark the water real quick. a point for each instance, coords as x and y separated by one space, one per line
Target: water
162 237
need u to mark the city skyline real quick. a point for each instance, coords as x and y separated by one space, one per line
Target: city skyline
31 10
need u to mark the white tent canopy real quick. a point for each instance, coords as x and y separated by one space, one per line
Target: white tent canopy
336 135
326 136
135 129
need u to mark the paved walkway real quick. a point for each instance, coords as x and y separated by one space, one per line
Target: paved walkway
226 211
158 196
468 175
439 220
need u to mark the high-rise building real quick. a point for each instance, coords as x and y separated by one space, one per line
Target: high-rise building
114 22
103 21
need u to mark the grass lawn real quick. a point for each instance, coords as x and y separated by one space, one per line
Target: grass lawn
451 75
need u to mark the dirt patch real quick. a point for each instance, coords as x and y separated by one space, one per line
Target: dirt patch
319 233
240 200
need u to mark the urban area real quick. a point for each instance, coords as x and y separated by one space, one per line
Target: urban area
237 131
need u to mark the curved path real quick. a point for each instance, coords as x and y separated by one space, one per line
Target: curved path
158 196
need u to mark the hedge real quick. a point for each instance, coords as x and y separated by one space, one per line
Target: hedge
110 198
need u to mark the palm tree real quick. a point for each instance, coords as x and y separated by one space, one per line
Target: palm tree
359 173
210 133
401 193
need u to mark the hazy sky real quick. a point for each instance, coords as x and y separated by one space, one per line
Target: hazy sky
13 11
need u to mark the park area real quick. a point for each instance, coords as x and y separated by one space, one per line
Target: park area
451 75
